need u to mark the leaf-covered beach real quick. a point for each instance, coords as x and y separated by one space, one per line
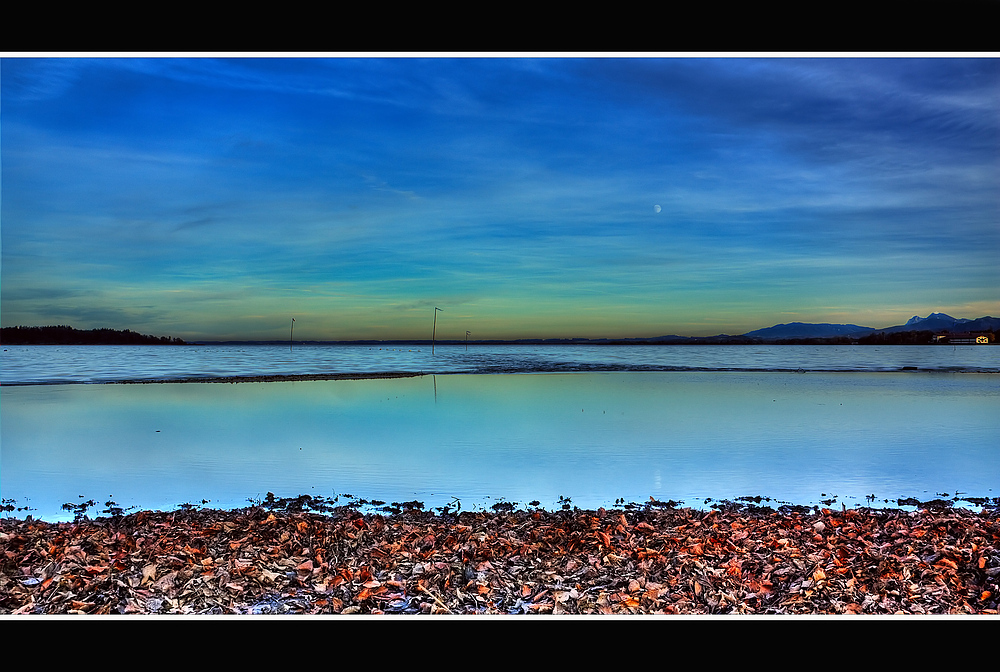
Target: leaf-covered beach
283 558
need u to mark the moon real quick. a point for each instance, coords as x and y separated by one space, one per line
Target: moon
656 208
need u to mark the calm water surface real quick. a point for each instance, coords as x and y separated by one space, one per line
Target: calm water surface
88 364
594 437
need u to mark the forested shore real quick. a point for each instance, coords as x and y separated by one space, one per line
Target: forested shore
64 335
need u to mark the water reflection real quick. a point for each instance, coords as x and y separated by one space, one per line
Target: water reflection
592 437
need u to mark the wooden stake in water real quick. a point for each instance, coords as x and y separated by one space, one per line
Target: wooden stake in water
467 340
290 335
434 331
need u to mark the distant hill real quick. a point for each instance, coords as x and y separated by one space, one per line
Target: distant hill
807 330
63 335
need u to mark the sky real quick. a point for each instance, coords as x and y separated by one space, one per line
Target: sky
526 197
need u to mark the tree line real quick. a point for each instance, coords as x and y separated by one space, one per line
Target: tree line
64 335
898 338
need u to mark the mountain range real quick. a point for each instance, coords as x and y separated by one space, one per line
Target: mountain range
935 322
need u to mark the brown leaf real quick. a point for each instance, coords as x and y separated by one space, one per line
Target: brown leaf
166 582
943 561
270 576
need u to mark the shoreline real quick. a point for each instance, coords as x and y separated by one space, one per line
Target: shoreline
276 558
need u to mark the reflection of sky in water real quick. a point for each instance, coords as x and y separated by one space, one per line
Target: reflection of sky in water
592 437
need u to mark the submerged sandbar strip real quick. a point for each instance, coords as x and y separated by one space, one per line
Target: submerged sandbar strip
273 378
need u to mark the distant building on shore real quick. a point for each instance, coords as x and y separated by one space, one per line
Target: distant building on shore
983 338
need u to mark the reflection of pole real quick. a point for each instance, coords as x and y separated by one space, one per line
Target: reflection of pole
434 331
435 388
290 335
467 340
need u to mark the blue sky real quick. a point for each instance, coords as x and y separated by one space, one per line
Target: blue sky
216 198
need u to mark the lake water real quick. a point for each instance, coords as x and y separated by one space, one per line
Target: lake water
92 364
596 424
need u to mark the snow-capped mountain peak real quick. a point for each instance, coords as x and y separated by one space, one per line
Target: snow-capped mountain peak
937 316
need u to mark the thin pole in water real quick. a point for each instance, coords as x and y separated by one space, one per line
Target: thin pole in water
434 331
467 340
290 335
